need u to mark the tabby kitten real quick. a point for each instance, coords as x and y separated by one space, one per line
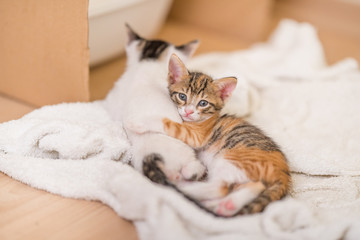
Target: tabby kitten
246 169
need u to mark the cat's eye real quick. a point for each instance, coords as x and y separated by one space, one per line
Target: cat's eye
182 97
203 103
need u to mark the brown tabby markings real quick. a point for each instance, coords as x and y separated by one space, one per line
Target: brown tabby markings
230 137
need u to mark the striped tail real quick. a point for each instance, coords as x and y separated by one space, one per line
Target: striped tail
273 192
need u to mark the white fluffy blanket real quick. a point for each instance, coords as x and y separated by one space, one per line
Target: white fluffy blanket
310 109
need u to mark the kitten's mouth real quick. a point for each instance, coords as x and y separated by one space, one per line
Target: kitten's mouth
187 118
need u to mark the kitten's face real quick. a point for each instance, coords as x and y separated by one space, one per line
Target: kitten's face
140 49
196 95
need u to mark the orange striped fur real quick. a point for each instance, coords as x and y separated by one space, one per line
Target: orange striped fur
199 99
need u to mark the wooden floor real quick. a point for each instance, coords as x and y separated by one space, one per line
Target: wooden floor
27 213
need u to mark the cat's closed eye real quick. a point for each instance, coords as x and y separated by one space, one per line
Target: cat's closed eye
203 103
182 97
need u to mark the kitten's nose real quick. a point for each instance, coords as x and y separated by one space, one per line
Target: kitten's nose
188 111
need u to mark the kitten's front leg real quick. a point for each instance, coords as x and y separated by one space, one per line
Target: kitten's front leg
192 170
182 132
170 127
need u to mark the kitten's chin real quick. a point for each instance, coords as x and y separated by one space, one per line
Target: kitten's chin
190 119
187 119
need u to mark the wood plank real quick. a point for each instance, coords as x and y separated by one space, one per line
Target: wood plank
28 213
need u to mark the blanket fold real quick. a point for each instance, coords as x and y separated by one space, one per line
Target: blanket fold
66 131
285 87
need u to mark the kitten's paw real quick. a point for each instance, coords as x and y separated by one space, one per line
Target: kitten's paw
223 207
234 202
154 169
226 208
193 170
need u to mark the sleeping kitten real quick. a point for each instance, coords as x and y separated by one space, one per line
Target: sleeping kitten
140 101
246 169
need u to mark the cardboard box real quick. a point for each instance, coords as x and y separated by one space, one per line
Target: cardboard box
44 50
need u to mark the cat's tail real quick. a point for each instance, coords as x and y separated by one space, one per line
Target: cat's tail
273 191
152 169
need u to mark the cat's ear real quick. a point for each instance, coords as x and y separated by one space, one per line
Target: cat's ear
226 86
131 35
177 70
189 48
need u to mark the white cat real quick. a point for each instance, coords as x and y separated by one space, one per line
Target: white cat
140 101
